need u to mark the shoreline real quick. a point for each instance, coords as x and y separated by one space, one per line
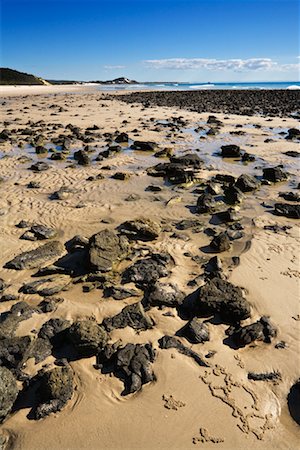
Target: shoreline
112 187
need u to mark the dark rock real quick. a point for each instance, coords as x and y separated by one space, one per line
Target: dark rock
292 153
163 294
122 138
39 232
35 258
140 229
247 157
119 293
188 160
220 243
144 146
227 216
132 316
106 248
293 400
50 304
290 196
262 330
196 331
87 337
131 363
173 172
39 166
269 376
230 151
56 388
223 178
233 195
185 224
205 203
34 185
247 183
287 210
62 194
274 174
82 157
221 297
148 270
9 321
40 150
293 133
55 330
167 342
8 392
121 176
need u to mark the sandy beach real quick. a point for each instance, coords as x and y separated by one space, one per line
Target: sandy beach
198 392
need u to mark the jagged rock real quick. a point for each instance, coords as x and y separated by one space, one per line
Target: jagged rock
56 388
121 176
196 331
77 243
131 363
233 195
82 157
220 243
293 400
230 151
122 138
144 146
292 153
189 160
224 178
290 196
185 224
132 316
262 330
35 258
247 183
8 392
39 349
148 270
62 194
39 166
206 203
119 293
163 294
10 321
287 210
269 376
220 296
47 286
174 172
87 337
229 215
247 157
141 229
293 133
56 330
40 150
39 232
13 351
2 285
106 249
274 174
167 342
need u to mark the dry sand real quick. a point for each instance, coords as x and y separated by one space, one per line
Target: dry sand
214 407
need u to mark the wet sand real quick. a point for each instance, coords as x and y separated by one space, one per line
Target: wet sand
187 406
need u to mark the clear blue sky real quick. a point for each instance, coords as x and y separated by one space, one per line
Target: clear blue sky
191 40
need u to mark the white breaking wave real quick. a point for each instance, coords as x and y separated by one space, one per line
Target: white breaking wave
200 86
293 87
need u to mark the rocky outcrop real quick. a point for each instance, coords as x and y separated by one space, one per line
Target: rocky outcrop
133 316
37 257
163 294
196 331
247 183
106 248
223 298
8 392
131 363
141 229
287 210
274 174
87 337
148 270
56 388
262 330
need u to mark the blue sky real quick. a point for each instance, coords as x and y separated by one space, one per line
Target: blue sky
150 40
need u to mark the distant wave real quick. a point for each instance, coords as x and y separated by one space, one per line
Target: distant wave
199 86
293 87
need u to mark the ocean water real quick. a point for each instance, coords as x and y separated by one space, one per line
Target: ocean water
201 86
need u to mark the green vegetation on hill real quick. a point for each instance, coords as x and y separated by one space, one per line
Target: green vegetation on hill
13 77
